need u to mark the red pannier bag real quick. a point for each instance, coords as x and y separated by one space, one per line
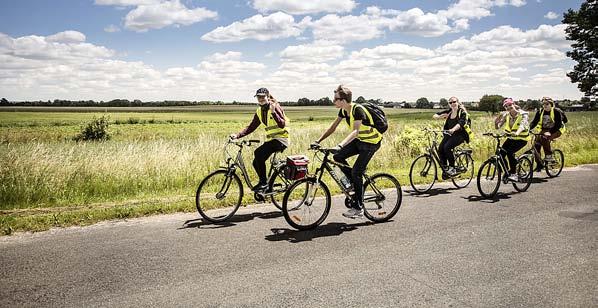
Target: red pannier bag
296 167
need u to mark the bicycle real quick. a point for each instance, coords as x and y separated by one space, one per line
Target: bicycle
491 171
306 203
222 189
552 167
423 169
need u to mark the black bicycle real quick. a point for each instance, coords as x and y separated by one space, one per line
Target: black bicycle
423 170
220 193
307 202
554 166
494 170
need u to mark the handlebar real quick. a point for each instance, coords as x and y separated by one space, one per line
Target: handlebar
498 136
241 143
319 148
443 131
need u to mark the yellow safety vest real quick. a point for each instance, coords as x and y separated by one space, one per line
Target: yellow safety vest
466 126
271 127
539 126
524 134
367 134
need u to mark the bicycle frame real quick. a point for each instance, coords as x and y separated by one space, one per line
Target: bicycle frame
432 148
502 164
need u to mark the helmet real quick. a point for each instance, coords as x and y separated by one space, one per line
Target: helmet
547 99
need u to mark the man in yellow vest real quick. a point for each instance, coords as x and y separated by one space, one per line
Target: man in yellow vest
549 122
363 140
272 117
515 121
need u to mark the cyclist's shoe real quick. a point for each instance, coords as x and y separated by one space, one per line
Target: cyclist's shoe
549 159
353 213
445 175
260 187
539 168
513 177
451 171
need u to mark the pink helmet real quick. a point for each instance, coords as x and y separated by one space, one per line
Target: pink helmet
507 102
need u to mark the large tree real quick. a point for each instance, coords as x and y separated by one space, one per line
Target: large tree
422 103
582 27
491 103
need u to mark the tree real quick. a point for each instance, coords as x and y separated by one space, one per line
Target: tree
4 102
422 103
582 27
443 103
491 103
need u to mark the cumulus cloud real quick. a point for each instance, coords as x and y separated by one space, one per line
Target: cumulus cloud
301 7
393 51
312 53
258 27
163 14
66 37
551 15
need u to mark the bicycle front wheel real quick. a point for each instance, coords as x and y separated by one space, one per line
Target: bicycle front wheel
423 173
489 177
277 185
382 197
464 166
525 174
218 196
553 169
306 204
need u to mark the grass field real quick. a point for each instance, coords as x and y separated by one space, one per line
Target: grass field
154 160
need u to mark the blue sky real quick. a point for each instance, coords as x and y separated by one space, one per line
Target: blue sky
224 50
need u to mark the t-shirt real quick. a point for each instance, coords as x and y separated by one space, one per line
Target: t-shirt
547 122
358 114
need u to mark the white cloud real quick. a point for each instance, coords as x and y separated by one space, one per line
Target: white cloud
66 37
258 27
111 29
163 14
393 51
551 15
345 29
300 7
312 53
476 9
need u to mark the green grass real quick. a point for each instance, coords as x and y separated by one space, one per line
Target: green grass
154 161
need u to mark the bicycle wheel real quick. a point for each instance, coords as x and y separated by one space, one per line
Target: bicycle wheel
422 172
525 173
489 177
218 196
464 167
553 169
277 185
306 204
382 197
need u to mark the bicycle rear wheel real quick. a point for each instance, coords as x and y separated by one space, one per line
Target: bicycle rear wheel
218 196
553 169
277 185
423 173
489 177
382 197
464 166
306 204
525 174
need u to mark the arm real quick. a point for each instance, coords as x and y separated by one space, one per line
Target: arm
460 123
352 135
499 121
330 130
536 120
441 115
255 123
278 114
524 124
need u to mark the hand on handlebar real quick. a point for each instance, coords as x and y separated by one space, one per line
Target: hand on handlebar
336 149
315 145
232 136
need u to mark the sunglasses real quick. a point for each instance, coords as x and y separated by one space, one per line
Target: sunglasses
452 102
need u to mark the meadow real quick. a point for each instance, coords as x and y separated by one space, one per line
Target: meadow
157 156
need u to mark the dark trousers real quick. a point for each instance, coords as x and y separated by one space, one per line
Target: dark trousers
510 147
365 151
446 146
261 155
544 142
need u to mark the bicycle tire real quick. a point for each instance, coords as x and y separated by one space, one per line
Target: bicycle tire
210 187
525 173
463 160
424 171
299 214
374 206
559 158
489 173
278 184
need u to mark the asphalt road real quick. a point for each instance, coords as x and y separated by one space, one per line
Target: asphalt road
448 248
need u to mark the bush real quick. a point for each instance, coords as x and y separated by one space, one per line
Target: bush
96 130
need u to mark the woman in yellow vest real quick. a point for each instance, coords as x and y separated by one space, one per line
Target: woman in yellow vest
550 124
272 117
458 126
515 120
363 140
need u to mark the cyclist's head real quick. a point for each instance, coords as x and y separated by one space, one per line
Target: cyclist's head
507 103
547 101
261 94
453 100
342 93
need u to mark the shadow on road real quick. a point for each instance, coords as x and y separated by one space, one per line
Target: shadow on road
430 193
204 224
331 229
539 180
499 196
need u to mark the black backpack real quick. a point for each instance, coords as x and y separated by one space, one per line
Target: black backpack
563 115
380 122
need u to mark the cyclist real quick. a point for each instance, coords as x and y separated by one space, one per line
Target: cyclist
458 126
270 114
550 124
515 121
363 140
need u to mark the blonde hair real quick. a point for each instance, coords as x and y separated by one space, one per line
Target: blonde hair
344 93
458 102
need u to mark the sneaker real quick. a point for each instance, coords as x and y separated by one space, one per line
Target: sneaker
549 158
260 187
353 213
451 171
513 177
